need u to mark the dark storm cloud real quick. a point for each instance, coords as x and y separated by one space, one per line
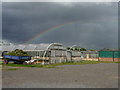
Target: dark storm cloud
0 21
95 27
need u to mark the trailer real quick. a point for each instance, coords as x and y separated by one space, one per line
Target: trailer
16 59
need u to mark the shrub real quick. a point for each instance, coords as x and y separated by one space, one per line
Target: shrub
18 52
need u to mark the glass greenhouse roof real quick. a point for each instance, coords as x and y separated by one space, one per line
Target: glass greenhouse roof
32 47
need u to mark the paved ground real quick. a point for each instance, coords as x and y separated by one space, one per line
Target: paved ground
0 74
68 76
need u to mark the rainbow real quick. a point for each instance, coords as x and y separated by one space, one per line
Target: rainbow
48 31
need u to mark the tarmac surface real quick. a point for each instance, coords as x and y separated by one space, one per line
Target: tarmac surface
67 76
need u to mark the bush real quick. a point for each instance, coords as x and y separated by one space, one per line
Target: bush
18 52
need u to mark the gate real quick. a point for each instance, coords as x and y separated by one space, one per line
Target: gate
52 57
68 56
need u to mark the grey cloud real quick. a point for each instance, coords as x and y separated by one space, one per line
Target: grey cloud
96 25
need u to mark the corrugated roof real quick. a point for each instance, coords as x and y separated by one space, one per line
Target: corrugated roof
21 46
8 48
41 46
89 52
31 47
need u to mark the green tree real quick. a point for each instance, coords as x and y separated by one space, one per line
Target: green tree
92 50
83 49
71 48
76 49
18 52
68 48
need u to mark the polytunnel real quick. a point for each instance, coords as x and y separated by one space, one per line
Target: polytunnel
52 53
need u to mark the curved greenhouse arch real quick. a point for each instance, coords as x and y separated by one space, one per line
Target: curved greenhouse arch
48 48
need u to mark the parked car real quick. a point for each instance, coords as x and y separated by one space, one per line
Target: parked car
30 61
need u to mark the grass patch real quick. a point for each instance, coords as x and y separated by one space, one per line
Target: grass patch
12 69
77 63
1 62
58 64
117 62
22 65
32 65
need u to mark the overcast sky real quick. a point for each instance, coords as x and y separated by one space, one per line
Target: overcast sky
95 24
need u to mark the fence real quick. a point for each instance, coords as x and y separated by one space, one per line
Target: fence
109 55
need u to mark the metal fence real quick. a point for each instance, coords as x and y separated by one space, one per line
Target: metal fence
109 54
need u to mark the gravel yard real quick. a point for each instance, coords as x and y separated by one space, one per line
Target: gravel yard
103 75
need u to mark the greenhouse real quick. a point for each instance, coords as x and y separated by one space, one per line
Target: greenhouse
52 53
